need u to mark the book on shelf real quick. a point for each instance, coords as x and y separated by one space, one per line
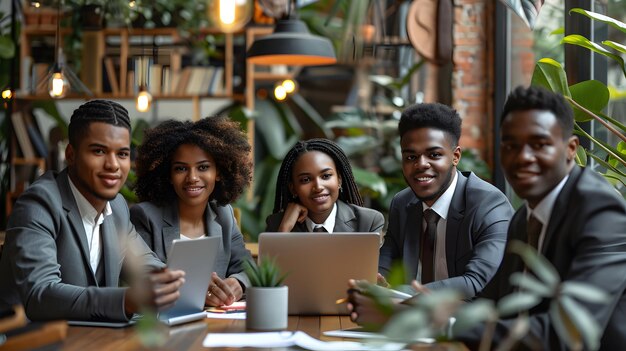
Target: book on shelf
21 134
111 76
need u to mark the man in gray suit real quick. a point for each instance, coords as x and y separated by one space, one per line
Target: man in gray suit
573 216
448 228
70 234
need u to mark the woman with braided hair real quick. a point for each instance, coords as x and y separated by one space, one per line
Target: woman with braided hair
187 175
316 191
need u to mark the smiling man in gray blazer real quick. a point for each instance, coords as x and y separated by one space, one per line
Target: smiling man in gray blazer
462 246
70 234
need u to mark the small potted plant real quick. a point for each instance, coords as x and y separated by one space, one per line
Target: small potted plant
267 297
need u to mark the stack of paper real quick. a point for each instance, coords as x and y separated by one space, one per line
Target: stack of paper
287 339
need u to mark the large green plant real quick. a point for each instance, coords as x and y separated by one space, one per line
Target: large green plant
589 99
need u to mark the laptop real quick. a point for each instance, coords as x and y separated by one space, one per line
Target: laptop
195 257
319 266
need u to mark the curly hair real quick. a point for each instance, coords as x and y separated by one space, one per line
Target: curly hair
434 115
218 136
537 98
105 111
350 191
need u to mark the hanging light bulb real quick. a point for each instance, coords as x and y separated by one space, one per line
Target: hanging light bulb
280 93
7 93
58 85
289 85
144 100
229 15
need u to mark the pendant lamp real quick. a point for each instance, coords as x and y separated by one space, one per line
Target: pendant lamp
292 44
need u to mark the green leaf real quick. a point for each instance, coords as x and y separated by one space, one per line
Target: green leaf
614 122
7 47
560 30
472 314
369 180
408 325
550 74
531 284
579 40
583 320
581 156
615 45
536 263
584 291
517 302
591 94
563 326
602 18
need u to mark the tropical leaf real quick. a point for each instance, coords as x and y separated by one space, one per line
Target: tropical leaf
602 18
563 326
549 74
579 40
614 45
536 263
584 291
517 302
581 156
531 284
409 325
584 322
369 180
527 10
592 94
7 48
472 314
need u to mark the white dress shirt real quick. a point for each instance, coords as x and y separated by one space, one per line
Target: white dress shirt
329 223
543 210
91 222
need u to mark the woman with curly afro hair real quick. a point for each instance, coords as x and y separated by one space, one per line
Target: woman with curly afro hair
316 192
187 175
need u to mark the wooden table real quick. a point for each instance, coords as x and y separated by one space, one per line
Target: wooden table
190 336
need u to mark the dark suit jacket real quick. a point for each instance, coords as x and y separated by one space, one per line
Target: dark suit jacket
585 241
159 225
45 261
478 218
350 218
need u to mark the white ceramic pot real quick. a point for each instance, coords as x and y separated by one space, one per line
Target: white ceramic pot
266 308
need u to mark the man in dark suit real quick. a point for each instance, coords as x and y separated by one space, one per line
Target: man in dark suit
571 215
70 232
463 245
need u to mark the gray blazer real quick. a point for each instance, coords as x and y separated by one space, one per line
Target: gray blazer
45 261
478 218
159 226
350 218
586 242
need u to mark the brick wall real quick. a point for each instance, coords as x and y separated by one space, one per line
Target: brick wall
472 77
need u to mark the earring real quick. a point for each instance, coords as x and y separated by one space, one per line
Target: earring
294 196
340 189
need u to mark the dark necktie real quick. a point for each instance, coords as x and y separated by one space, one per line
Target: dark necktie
428 246
533 231
320 229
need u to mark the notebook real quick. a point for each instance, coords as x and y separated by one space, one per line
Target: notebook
195 257
319 266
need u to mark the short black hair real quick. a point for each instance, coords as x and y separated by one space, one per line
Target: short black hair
349 190
219 137
538 98
105 111
431 115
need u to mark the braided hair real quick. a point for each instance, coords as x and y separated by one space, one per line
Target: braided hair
105 111
217 136
350 191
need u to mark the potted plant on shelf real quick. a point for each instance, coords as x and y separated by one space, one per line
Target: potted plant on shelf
267 297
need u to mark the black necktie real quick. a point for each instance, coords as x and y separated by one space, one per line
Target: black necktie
428 246
320 229
533 231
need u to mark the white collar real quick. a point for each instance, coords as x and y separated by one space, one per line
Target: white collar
87 211
543 210
442 205
329 223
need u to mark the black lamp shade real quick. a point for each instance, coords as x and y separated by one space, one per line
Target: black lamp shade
292 44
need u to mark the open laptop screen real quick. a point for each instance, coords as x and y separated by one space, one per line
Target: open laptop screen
319 266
